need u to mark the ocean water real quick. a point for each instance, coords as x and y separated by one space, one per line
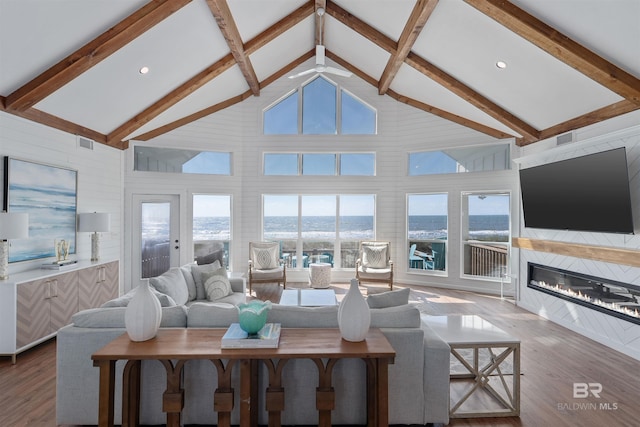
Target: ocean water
421 227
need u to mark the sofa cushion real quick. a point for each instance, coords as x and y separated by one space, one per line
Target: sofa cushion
172 283
216 284
198 271
188 277
113 317
389 298
211 315
291 316
401 316
123 301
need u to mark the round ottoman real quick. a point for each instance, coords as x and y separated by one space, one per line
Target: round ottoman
319 275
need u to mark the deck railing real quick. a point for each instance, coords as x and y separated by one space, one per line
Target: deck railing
488 260
155 259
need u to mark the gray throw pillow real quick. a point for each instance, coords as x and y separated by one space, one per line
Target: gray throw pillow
123 301
172 283
389 298
198 271
217 284
188 277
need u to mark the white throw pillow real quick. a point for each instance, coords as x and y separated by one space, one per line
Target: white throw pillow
217 284
198 271
172 283
374 256
265 258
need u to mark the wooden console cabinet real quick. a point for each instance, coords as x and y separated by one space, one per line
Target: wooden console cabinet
36 303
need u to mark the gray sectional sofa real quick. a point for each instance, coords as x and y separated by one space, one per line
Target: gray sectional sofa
418 380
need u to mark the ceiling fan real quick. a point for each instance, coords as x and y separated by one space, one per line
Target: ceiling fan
320 57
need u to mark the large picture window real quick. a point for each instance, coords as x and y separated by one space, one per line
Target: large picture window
319 228
460 160
314 108
486 234
427 231
211 228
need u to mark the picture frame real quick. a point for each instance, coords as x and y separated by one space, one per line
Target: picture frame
49 195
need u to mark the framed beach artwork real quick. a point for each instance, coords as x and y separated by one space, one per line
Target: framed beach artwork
49 195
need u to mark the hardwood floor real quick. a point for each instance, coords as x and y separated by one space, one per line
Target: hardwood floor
552 360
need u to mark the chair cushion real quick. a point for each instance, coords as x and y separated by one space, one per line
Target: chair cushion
273 274
389 298
374 256
198 271
216 284
374 273
265 258
172 283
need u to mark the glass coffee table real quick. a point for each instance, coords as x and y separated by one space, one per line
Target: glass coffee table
308 297
485 372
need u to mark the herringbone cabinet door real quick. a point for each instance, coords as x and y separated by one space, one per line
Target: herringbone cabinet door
64 299
33 317
98 285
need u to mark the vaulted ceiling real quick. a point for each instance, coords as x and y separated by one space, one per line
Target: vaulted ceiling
75 65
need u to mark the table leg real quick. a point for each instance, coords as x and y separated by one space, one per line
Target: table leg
223 396
107 386
131 394
382 391
325 394
274 396
248 393
173 397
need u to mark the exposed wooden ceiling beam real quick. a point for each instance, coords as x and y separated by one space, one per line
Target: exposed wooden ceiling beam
421 13
55 122
210 73
279 28
593 117
92 53
229 29
434 73
449 116
193 117
562 47
172 98
527 131
361 27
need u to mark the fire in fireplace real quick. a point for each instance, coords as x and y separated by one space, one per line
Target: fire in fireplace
618 299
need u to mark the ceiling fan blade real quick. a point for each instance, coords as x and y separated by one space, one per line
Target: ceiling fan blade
303 73
338 72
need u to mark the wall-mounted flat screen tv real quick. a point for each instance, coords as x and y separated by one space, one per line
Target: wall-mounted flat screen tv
587 193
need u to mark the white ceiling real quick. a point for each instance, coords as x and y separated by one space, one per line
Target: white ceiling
536 88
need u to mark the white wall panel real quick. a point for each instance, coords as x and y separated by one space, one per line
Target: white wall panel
100 179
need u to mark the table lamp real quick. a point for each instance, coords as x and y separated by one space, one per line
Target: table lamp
12 226
96 223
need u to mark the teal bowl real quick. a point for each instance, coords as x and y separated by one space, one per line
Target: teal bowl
252 315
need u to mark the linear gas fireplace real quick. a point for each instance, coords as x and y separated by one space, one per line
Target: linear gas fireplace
617 299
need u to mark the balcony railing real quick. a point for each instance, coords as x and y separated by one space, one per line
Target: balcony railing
487 260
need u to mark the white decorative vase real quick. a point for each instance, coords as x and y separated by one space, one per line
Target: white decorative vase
354 316
143 314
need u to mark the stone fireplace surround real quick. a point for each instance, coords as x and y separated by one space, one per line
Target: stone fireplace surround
621 300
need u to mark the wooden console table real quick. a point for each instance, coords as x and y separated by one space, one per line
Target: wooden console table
174 347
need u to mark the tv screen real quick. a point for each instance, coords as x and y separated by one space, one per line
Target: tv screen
588 193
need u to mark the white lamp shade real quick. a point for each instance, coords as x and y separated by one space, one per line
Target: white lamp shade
94 222
14 225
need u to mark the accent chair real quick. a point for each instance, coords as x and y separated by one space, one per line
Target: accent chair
266 265
374 263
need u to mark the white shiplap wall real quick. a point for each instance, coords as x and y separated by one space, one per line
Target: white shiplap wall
401 129
100 178
616 333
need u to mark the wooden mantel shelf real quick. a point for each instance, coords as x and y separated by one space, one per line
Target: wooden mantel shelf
597 253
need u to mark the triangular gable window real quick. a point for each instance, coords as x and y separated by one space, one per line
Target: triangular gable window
318 107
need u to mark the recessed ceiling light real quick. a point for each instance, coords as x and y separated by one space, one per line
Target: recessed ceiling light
501 65
144 70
